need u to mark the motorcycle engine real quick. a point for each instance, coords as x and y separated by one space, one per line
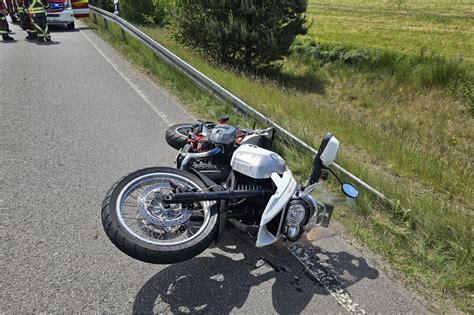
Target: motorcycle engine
224 136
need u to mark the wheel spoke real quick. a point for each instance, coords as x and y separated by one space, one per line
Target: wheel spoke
154 223
130 204
133 223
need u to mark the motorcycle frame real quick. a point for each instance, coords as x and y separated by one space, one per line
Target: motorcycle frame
189 197
286 188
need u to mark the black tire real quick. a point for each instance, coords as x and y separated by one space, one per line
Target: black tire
177 135
148 251
71 26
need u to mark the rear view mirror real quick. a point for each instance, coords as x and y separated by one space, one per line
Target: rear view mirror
325 157
328 150
349 190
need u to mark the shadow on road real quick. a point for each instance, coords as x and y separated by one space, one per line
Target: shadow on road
9 42
53 42
222 282
63 29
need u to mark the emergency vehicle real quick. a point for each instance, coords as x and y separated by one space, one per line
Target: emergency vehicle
64 11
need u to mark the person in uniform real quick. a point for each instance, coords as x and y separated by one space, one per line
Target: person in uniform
12 10
29 25
37 10
4 22
21 11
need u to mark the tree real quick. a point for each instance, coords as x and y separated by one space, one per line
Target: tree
246 34
152 12
103 4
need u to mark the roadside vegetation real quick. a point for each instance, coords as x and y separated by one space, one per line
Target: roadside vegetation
402 108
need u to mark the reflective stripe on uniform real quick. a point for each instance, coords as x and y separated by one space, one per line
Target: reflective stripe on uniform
36 10
36 7
39 30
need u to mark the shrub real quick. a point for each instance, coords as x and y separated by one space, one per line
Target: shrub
151 12
104 4
246 34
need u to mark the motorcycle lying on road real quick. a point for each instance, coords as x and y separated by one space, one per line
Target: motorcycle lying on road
195 135
166 215
208 147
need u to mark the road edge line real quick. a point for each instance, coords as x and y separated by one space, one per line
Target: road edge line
129 81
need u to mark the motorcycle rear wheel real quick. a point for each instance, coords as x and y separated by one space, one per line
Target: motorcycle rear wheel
139 225
177 135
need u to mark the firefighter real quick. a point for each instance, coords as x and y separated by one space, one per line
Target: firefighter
22 16
37 9
29 25
4 22
12 9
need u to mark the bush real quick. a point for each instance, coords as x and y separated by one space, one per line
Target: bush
107 5
245 34
151 12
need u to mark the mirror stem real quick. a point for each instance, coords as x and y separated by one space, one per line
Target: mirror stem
333 173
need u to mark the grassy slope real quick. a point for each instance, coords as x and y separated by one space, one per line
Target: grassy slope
441 26
428 237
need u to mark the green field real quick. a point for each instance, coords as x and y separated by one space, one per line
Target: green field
444 27
406 125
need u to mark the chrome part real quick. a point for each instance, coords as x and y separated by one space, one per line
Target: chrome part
209 153
142 214
248 187
153 212
295 214
185 162
323 214
308 189
184 130
312 203
293 231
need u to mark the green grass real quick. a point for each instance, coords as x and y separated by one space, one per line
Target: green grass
413 144
364 113
421 69
440 26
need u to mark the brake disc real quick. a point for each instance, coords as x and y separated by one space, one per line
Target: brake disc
153 212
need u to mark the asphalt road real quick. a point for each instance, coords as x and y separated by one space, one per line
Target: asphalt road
75 117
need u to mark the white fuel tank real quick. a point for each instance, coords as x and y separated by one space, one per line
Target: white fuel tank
257 162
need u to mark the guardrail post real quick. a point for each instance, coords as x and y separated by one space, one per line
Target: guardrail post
124 37
95 18
105 24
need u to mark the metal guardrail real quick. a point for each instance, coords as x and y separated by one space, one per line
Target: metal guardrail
205 83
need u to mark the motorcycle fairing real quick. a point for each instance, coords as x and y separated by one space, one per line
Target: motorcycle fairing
286 186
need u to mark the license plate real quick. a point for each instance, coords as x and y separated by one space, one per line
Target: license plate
53 19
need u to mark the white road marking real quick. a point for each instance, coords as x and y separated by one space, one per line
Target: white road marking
129 81
326 278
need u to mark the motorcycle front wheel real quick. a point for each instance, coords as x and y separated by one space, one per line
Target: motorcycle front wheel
137 222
